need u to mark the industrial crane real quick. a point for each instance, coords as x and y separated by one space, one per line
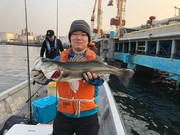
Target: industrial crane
119 20
97 31
93 16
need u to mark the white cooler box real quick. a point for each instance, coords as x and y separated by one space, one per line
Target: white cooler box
23 129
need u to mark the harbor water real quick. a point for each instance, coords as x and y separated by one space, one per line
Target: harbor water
147 109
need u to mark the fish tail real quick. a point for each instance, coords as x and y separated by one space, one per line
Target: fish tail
124 75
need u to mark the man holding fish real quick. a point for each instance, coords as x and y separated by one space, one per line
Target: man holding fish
79 116
78 75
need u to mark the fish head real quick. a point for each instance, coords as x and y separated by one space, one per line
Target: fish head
38 63
48 66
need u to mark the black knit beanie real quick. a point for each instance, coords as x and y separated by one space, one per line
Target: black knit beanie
80 25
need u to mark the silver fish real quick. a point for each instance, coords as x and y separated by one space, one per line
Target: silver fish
73 70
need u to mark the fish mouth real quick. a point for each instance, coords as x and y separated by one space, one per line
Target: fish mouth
56 74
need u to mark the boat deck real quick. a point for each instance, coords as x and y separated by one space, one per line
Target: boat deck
110 120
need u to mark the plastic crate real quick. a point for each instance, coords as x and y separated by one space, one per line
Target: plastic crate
44 109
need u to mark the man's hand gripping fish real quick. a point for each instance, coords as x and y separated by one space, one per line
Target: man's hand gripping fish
72 71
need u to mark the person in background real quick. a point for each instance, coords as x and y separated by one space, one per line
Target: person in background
51 45
92 46
77 112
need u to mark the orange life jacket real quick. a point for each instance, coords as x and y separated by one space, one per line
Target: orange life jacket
91 44
83 99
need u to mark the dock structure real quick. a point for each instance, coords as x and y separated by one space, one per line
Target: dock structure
157 48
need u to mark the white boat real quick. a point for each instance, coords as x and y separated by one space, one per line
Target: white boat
13 102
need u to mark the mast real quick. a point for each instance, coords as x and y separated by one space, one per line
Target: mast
28 66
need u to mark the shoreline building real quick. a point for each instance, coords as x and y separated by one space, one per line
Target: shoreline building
11 38
8 37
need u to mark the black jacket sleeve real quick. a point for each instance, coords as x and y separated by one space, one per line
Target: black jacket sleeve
43 48
61 48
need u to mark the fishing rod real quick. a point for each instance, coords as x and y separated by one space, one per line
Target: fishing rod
28 66
57 21
33 94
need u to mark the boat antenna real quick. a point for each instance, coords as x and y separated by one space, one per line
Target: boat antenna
28 66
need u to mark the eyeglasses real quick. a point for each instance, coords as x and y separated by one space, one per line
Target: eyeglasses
76 34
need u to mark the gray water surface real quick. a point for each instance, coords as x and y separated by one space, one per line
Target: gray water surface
13 64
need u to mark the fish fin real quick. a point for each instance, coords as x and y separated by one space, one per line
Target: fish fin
105 77
74 85
77 58
99 59
124 75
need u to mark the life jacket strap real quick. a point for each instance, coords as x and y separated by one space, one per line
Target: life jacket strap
78 103
48 44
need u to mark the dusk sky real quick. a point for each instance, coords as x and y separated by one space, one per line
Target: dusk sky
42 13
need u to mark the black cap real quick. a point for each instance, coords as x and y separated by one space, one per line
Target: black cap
50 33
80 25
